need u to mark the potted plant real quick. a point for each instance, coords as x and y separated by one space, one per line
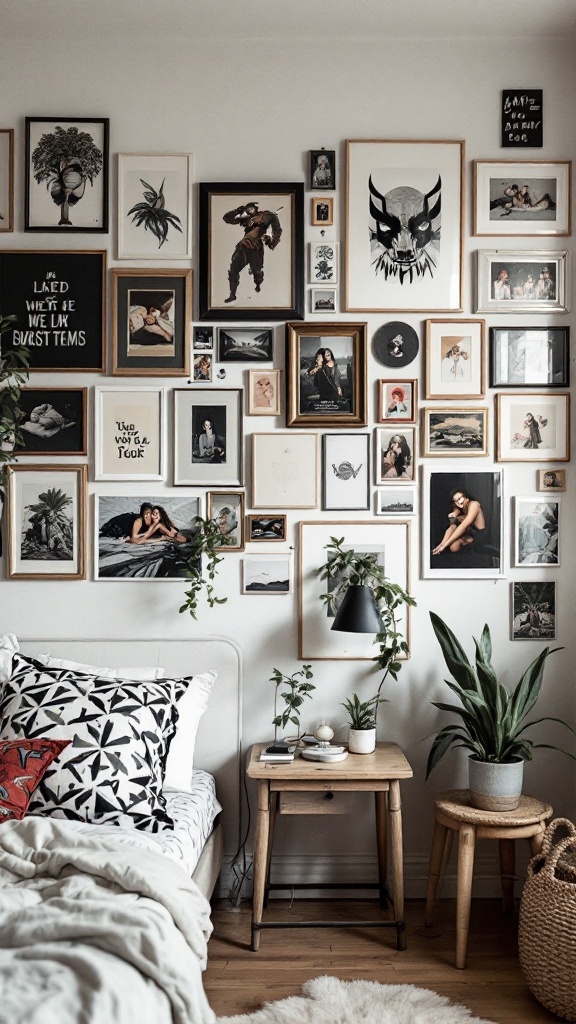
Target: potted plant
362 714
13 373
492 722
297 689
206 540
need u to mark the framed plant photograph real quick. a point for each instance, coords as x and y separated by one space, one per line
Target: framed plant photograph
151 312
129 441
454 432
245 344
389 541
345 471
143 537
462 524
533 427
396 501
6 179
536 531
534 610
518 197
404 226
202 338
552 480
226 510
326 374
53 421
67 174
322 300
285 470
154 206
395 454
322 169
251 250
322 211
523 281
323 262
455 358
529 357
202 368
208 441
266 528
267 574
58 298
397 401
47 522
264 393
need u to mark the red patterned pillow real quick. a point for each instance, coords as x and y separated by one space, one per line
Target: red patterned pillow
22 765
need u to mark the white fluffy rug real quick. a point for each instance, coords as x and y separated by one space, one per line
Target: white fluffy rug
331 1001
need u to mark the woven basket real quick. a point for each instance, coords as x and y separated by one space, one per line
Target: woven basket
547 936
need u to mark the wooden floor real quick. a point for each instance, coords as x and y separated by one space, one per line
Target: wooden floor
492 986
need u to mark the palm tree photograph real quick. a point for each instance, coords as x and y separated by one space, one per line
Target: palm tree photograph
48 527
67 174
46 522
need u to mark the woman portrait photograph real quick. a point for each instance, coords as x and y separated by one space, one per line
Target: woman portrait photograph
462 533
395 454
209 434
150 322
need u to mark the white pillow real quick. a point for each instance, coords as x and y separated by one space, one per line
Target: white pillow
191 707
136 674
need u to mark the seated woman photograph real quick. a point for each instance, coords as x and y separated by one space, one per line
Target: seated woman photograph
466 523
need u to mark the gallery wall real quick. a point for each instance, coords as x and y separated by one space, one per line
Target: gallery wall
250 110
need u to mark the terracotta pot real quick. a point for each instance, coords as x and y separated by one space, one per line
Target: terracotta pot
495 787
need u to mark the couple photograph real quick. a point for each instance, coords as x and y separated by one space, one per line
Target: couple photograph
144 538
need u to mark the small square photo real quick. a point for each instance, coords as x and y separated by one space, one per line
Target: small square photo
202 373
203 338
323 300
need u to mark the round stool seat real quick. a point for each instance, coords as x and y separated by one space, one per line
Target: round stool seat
455 804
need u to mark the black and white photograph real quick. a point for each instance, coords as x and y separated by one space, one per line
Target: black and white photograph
534 610
266 528
326 374
52 421
226 510
322 300
47 522
267 574
523 281
66 174
202 338
396 501
208 441
462 533
345 471
522 198
323 262
536 531
322 211
322 169
144 537
454 432
529 357
245 344
395 454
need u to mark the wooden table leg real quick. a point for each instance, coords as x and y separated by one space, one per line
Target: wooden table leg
507 872
260 857
397 862
466 843
273 810
382 846
439 841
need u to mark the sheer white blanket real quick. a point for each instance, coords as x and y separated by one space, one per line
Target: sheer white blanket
93 932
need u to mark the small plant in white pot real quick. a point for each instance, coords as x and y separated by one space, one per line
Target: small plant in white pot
362 714
492 722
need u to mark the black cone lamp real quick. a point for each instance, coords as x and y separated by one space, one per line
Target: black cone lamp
358 612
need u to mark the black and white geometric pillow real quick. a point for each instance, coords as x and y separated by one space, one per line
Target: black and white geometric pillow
120 732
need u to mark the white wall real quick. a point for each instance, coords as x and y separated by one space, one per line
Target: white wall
249 110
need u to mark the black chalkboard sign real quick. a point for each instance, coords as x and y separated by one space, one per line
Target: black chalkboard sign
522 125
58 299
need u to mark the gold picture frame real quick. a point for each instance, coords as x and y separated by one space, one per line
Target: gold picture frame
332 394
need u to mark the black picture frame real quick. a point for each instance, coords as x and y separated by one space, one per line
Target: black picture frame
78 189
237 283
65 329
53 421
245 344
524 357
159 355
322 170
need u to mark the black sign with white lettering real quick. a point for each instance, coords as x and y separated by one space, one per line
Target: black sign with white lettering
58 299
522 118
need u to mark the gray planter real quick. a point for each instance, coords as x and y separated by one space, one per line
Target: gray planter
495 787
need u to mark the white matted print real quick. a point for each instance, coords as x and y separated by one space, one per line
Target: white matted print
395 454
144 537
154 206
462 524
396 501
397 401
323 300
47 522
455 358
267 574
346 471
285 470
533 427
208 442
129 433
536 531
523 281
323 267
521 198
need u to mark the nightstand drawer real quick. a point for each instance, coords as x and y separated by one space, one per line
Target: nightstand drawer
316 802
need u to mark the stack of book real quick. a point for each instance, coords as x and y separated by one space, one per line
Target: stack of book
280 752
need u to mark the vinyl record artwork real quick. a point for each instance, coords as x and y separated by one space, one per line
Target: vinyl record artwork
396 344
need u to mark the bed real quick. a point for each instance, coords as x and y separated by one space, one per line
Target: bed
101 923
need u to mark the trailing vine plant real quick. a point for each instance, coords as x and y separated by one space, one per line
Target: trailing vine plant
13 373
206 540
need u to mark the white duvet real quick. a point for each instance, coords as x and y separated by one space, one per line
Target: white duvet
93 932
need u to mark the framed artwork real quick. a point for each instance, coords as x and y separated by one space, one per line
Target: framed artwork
395 344
59 301
154 206
395 454
143 537
455 358
523 281
47 522
208 441
522 198
404 226
202 368
267 574
462 524
533 427
53 421
226 510
529 357
251 251
264 393
552 480
285 470
322 212
151 312
326 374
345 471
6 179
536 531
459 432
396 501
129 441
67 174
389 541
397 401
323 262
245 344
322 300
202 338
322 169
266 528
534 610
522 124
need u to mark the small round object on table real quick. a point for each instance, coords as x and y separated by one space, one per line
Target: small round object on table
324 733
325 754
396 344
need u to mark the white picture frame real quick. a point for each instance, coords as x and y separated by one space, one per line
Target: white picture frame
396 501
285 470
523 281
484 557
395 455
455 359
536 531
267 575
161 557
533 427
522 197
323 262
129 434
345 472
219 460
141 235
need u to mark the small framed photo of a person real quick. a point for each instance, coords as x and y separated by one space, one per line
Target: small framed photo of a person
517 197
266 528
267 574
395 454
552 480
151 312
129 433
251 251
52 421
462 531
202 338
264 392
245 344
322 214
226 510
455 358
536 531
285 470
202 368
345 471
456 432
6 179
529 357
323 262
154 206
46 522
208 442
396 501
397 401
143 537
533 427
322 169
523 281
322 300
534 610
326 373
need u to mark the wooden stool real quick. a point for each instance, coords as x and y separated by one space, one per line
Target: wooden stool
454 813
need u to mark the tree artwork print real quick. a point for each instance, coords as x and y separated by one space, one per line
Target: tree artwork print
67 160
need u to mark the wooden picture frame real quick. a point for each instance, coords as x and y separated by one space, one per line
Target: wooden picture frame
266 528
129 433
213 457
151 313
332 394
267 575
127 528
521 197
227 510
6 180
285 470
525 357
53 421
481 556
264 393
397 401
155 206
455 359
552 480
454 432
395 455
523 281
537 533
46 522
533 427
345 472
322 211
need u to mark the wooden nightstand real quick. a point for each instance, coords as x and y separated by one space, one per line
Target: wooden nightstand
302 787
